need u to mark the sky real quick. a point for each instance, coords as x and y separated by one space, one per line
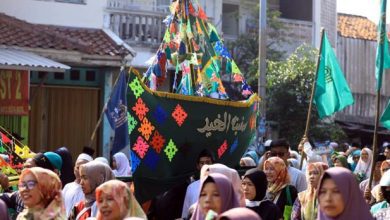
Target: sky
367 8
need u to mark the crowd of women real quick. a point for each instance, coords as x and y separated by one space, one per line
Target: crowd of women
335 186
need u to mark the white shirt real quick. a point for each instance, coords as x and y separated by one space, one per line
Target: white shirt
72 194
192 195
298 179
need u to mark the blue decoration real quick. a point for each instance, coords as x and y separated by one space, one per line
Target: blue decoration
160 115
151 159
135 161
234 146
168 20
222 50
157 70
182 49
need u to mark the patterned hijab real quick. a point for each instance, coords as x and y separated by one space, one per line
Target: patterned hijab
282 176
308 197
123 197
228 196
97 173
354 205
49 185
122 165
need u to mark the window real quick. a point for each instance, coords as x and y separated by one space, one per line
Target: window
297 9
75 75
90 76
230 15
58 75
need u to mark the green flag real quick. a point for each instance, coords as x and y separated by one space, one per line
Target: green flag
332 92
382 51
385 119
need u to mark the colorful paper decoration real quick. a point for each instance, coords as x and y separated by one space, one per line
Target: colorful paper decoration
24 152
136 87
140 109
234 146
170 150
252 122
141 147
5 139
135 161
160 115
131 122
2 149
151 159
222 149
146 128
157 141
179 115
7 170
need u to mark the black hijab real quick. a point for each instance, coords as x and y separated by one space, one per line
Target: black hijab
67 174
259 180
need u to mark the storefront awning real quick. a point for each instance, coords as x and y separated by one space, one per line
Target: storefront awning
18 59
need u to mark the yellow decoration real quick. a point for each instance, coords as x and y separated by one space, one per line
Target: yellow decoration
24 152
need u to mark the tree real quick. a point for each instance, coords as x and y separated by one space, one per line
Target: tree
289 85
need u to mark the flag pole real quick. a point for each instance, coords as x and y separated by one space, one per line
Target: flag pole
102 112
375 138
306 134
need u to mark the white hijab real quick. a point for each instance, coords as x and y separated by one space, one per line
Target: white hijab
122 165
364 167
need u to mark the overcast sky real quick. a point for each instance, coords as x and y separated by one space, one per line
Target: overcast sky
367 8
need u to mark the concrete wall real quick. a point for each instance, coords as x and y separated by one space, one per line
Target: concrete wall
89 15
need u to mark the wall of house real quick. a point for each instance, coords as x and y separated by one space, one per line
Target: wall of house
89 15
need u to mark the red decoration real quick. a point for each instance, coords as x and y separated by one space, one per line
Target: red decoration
252 122
5 139
201 14
140 109
222 149
179 115
141 147
157 142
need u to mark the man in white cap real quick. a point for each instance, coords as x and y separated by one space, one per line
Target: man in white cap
381 210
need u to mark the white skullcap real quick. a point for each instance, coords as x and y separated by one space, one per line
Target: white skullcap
385 180
84 156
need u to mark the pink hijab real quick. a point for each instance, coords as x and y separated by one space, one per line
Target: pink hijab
226 192
355 206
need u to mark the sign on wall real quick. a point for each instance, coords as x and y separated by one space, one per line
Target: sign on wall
14 92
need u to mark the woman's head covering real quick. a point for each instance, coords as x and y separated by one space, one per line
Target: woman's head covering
364 167
259 180
308 197
122 196
97 174
55 159
354 205
253 155
4 210
67 174
248 162
239 214
385 166
228 196
122 165
102 160
230 173
343 160
282 176
49 185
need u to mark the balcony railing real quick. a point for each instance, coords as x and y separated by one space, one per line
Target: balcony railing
137 5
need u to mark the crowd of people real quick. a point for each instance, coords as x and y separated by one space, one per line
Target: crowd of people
313 183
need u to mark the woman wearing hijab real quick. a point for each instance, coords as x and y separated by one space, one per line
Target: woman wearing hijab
355 159
72 192
279 191
254 185
339 197
92 175
121 165
239 214
40 190
305 206
67 174
4 210
363 168
230 173
216 195
247 162
340 161
116 201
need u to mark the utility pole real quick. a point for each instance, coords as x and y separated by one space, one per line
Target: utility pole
262 80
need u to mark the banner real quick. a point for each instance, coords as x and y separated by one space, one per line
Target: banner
168 131
14 92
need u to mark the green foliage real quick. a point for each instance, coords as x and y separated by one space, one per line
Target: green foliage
289 86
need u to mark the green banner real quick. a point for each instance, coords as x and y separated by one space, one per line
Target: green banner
168 131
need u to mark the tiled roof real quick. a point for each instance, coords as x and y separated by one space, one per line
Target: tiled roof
15 32
353 26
